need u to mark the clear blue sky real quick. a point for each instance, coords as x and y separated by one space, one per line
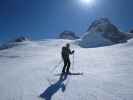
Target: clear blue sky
46 18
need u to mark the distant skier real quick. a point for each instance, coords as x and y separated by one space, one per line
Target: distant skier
65 56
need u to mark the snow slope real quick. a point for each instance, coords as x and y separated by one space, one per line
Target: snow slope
27 71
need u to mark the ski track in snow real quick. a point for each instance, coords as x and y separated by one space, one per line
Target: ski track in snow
26 69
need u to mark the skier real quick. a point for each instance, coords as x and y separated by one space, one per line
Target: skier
65 56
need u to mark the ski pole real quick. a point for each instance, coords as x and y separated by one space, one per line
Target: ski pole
56 66
73 63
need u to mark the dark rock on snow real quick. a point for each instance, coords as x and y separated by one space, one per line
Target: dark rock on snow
13 43
68 35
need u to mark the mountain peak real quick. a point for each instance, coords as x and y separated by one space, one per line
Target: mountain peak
103 25
102 33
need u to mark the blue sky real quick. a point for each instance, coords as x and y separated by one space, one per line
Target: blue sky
47 18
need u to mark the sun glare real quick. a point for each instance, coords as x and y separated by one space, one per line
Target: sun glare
88 2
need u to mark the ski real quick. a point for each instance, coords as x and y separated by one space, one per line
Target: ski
59 74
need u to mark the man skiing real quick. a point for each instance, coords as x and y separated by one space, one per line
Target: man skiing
65 56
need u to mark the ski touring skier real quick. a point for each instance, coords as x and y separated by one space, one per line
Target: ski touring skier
66 52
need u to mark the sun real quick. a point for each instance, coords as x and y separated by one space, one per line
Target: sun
88 2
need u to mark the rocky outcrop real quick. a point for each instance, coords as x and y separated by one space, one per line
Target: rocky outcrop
20 39
68 35
13 43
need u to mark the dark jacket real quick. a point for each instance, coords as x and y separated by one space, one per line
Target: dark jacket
66 52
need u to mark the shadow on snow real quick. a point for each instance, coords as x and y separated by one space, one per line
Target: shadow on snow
51 90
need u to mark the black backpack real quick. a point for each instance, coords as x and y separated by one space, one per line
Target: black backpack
64 52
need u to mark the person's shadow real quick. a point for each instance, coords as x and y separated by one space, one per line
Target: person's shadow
51 90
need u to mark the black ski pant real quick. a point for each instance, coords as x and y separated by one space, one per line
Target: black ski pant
67 65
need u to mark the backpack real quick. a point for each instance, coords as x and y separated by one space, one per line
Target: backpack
64 52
